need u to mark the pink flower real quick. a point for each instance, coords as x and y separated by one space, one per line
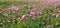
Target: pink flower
26 15
57 15
22 18
39 13
5 14
53 14
34 7
47 19
33 17
1 9
13 19
29 10
48 26
37 0
32 14
14 8
43 23
29 0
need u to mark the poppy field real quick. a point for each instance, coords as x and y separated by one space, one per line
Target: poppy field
45 14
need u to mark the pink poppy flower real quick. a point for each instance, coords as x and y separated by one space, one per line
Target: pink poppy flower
1 9
33 17
5 14
22 18
53 14
14 8
47 19
13 19
39 13
48 26
57 15
34 7
32 14
26 15
29 0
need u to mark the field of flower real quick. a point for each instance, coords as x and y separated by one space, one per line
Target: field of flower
29 15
